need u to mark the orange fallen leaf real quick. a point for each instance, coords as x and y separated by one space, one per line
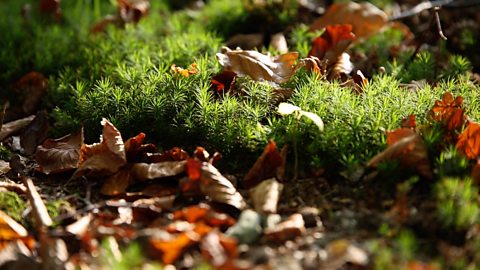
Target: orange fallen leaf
59 155
170 250
469 140
449 111
332 43
11 231
365 18
409 122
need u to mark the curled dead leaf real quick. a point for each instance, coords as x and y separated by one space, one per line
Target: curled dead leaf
410 151
59 155
104 158
258 66
332 43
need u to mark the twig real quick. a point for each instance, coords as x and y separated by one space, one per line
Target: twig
41 217
11 186
433 4
439 26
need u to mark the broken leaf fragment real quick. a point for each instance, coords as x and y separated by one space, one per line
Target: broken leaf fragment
59 155
259 67
270 164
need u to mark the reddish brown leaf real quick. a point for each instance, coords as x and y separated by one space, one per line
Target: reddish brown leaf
194 169
267 166
224 82
476 173
104 158
292 227
193 213
170 250
32 88
59 155
51 7
409 122
410 151
365 18
332 43
449 111
469 140
174 154
258 66
398 134
134 147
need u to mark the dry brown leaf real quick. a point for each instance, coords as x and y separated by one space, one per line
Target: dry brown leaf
117 183
258 66
365 18
59 155
104 158
13 127
34 133
265 196
132 10
332 43
410 151
145 171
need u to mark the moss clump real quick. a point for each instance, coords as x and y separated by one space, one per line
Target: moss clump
12 204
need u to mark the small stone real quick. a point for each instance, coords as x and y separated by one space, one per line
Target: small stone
311 217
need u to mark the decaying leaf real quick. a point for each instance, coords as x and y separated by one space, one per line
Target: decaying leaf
469 140
13 127
410 151
332 43
398 134
286 230
270 164
104 158
34 133
59 155
265 196
117 183
258 66
409 122
449 111
135 149
365 18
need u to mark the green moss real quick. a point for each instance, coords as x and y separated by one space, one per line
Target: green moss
12 205
5 153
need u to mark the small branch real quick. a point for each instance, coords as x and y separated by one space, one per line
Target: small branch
42 219
421 7
439 26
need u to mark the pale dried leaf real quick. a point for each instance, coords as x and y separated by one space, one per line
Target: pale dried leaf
80 227
279 42
365 18
265 196
219 188
10 229
258 66
286 230
13 127
144 171
59 155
